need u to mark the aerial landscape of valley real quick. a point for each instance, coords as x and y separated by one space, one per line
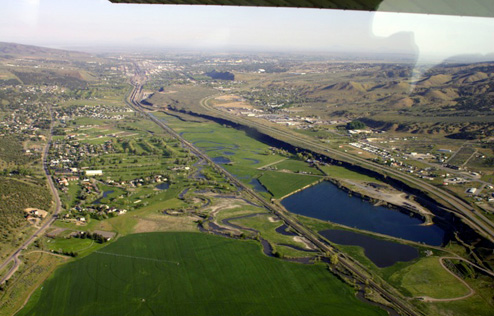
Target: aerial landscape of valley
184 181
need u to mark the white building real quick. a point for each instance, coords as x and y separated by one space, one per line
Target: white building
94 173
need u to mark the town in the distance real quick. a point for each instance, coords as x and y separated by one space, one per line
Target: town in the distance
184 183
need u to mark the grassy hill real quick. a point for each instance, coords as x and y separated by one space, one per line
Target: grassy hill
11 50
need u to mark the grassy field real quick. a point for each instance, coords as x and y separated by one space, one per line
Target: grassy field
139 275
280 184
76 245
428 278
218 140
36 268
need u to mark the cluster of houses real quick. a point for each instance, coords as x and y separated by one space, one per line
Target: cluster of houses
481 195
79 214
138 182
99 208
24 120
66 155
94 111
75 175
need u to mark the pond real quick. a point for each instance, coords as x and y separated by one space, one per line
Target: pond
327 202
257 185
382 253
221 160
254 161
163 186
105 194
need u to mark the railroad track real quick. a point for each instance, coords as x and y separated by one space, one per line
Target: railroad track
359 273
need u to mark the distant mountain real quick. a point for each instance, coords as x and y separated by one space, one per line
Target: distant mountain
58 68
14 50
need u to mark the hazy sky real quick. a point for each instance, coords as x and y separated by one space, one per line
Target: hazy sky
69 23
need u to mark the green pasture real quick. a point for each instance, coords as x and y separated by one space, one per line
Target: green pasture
215 140
243 173
76 245
191 274
238 210
280 184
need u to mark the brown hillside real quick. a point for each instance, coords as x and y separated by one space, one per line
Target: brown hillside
434 81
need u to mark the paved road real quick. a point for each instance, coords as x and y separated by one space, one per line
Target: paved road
15 256
357 270
472 217
459 298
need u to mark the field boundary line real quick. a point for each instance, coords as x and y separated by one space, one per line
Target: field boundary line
273 163
135 257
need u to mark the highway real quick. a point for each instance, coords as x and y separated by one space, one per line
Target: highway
466 212
358 272
15 255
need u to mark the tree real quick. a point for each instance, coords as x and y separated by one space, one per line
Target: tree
334 259
355 124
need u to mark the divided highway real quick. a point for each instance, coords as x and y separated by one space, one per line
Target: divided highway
357 271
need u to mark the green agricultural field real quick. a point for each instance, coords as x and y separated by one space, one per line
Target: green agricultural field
280 184
191 274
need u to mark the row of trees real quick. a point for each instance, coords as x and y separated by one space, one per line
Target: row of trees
93 236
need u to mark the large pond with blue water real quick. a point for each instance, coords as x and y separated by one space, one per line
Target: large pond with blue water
327 202
382 253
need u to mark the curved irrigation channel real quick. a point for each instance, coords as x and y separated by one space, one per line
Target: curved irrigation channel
267 248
